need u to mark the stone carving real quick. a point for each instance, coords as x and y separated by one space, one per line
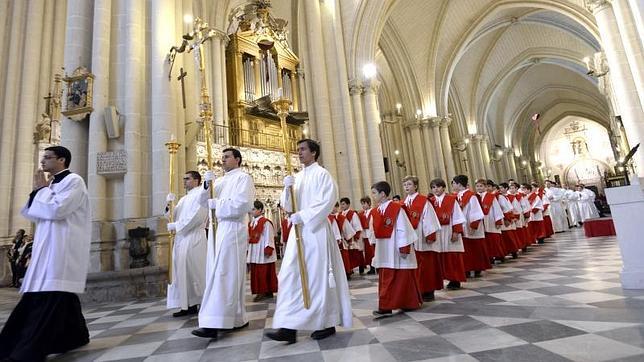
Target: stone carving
111 163
42 133
266 167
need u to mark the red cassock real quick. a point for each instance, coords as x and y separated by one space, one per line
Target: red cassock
397 288
536 227
429 273
346 261
263 278
356 257
476 256
452 267
493 240
368 248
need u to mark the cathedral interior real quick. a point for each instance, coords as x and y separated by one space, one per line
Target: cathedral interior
496 89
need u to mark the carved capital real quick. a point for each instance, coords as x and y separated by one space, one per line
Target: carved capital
355 87
596 6
445 122
371 86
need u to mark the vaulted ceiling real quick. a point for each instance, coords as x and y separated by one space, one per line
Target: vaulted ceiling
491 64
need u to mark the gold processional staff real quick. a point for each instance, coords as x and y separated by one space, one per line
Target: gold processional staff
282 106
172 147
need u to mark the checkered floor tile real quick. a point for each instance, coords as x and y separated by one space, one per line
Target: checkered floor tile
561 301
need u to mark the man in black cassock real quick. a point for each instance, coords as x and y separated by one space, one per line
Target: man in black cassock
48 317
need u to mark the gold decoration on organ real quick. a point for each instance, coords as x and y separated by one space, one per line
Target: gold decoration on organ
259 61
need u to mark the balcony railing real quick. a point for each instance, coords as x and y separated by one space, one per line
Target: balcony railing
242 137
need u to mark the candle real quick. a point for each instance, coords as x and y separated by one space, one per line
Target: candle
172 138
279 93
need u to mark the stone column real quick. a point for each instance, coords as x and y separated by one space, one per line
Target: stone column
78 52
349 181
472 157
632 41
219 84
372 119
514 173
162 101
420 159
96 183
431 150
628 102
135 141
446 144
485 152
440 151
11 89
301 89
355 91
318 77
24 165
507 155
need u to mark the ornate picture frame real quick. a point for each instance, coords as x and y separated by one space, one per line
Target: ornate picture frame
78 94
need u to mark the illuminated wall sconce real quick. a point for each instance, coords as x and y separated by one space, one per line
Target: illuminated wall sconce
398 109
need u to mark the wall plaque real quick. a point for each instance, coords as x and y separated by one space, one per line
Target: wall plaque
111 163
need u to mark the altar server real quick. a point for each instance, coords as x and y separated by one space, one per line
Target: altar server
261 254
189 252
315 193
395 258
223 304
48 318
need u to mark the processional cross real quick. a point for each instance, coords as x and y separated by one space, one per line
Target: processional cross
180 78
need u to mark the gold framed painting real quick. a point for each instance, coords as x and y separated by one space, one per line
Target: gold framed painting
78 95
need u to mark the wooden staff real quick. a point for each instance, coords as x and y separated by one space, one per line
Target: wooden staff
172 147
282 106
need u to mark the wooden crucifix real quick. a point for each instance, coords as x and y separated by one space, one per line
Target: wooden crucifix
182 74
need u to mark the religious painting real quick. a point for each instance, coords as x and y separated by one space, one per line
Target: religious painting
78 97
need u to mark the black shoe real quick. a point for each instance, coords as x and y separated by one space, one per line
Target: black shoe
184 312
240 327
382 312
268 295
205 333
283 335
323 333
477 274
361 270
372 271
454 285
515 255
428 297
541 241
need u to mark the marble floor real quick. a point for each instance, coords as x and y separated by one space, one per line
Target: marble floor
561 301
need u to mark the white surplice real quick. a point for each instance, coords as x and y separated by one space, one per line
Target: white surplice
60 254
427 225
223 300
189 251
587 208
316 193
387 254
557 213
572 203
256 251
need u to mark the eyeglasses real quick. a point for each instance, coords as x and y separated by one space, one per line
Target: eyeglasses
187 178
